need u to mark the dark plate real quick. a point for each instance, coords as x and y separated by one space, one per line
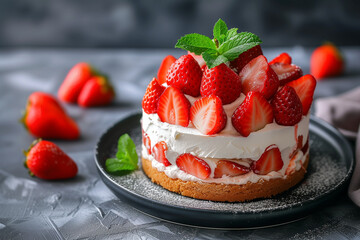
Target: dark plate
330 168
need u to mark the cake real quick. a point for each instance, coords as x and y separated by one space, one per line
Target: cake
226 128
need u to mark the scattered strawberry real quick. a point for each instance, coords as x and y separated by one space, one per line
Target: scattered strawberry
229 168
97 91
164 67
198 58
74 81
159 153
146 141
282 58
258 76
252 114
193 166
304 88
287 106
44 117
151 97
46 160
173 107
286 72
222 82
185 74
269 161
305 148
208 115
326 61
245 57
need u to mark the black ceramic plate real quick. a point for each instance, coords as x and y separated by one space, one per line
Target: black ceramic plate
331 165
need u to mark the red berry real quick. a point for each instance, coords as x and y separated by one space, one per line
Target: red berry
185 74
47 161
269 161
146 142
252 114
198 58
97 91
173 107
286 72
258 76
287 106
159 151
305 148
164 68
245 58
151 97
304 88
229 168
193 165
74 81
208 115
222 82
282 58
326 61
45 118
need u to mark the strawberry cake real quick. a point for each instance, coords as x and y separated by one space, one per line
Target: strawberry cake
226 127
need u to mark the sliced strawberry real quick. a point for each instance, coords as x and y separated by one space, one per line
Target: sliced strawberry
269 161
185 74
151 97
222 82
291 167
146 142
258 76
198 58
193 165
286 72
282 58
208 115
245 58
305 148
304 88
229 168
252 114
158 151
164 67
287 106
173 107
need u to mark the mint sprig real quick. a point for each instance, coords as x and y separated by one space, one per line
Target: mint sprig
126 157
226 45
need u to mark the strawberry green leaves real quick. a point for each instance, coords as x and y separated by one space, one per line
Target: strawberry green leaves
226 46
126 157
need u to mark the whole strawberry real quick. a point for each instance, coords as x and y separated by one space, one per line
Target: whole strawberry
97 91
44 117
47 161
185 74
221 81
326 61
164 67
74 81
151 97
245 58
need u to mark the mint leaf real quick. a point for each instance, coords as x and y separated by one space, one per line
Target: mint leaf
126 156
220 30
195 43
231 33
213 59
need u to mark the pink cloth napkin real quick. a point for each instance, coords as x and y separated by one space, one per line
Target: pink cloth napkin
343 112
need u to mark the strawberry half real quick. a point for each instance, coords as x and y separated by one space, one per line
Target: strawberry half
193 165
146 141
282 58
258 76
286 72
185 74
269 161
158 151
208 115
304 88
287 106
164 68
245 57
222 82
97 91
151 97
252 114
198 58
173 107
229 168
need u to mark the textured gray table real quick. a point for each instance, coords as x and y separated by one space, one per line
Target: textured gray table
83 208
